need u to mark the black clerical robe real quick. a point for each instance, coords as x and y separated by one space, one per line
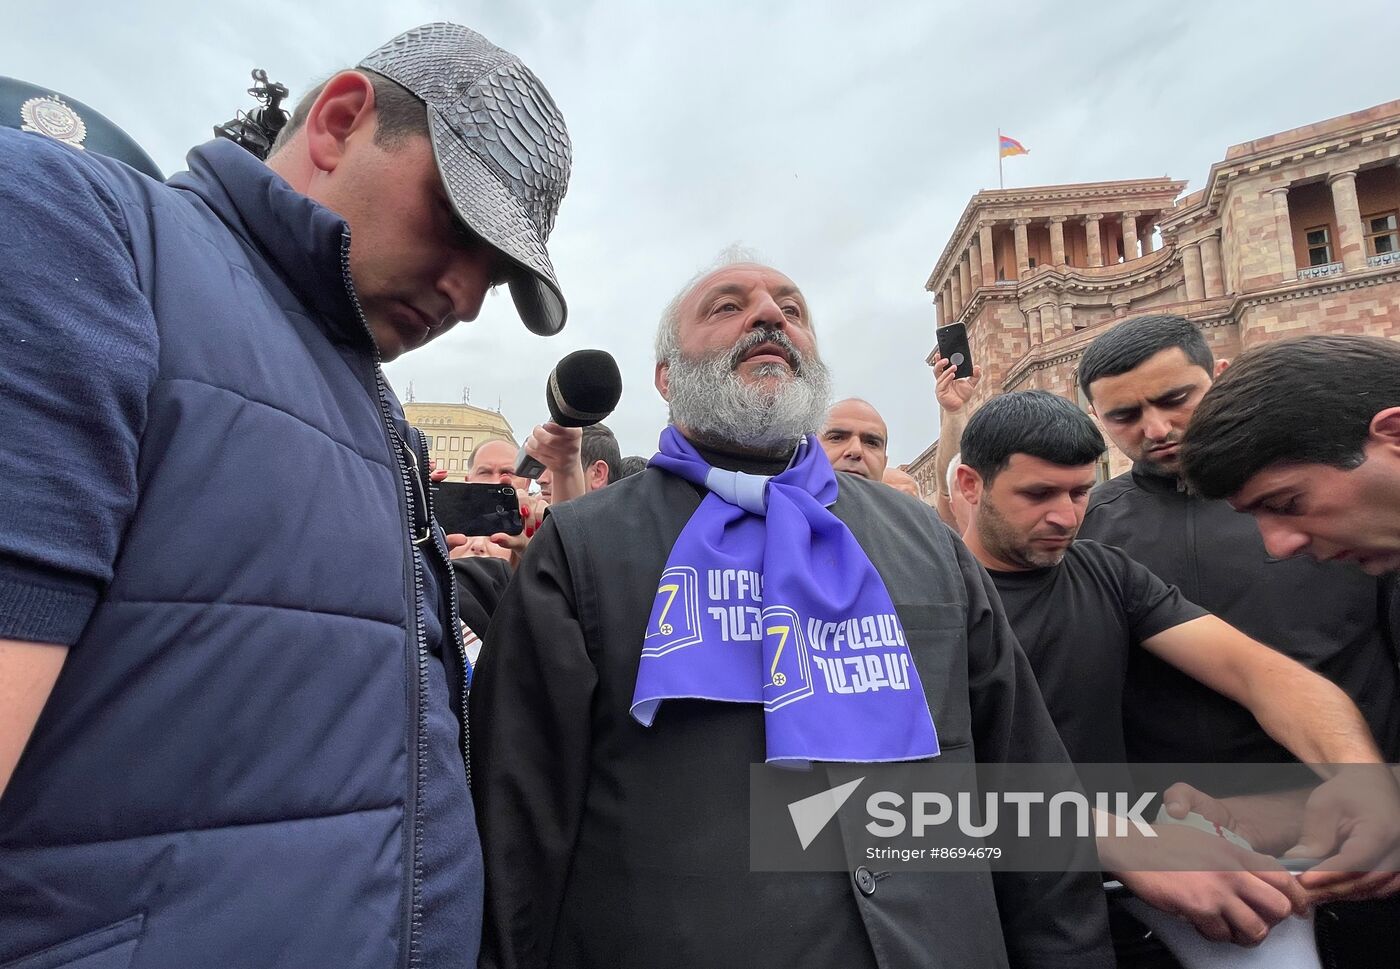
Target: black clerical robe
612 845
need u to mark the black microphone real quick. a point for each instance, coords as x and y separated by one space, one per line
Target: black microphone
582 390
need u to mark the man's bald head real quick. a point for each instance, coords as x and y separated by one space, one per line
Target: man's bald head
492 463
903 481
855 439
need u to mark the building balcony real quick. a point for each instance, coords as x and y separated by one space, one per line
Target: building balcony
1317 272
1384 259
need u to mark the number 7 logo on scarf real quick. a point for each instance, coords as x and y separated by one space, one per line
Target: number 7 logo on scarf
675 615
789 667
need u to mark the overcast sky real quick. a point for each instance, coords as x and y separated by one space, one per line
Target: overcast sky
840 140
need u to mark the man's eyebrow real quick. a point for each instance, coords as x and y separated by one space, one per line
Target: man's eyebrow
1123 411
784 291
723 289
1126 409
1260 500
739 289
1171 393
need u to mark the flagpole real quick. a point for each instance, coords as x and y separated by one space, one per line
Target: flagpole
1001 182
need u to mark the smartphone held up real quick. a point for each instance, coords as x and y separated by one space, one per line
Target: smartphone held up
468 508
952 346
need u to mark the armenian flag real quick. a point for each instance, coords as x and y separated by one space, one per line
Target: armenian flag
1010 146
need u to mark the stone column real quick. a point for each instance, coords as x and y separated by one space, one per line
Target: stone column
1129 223
1283 227
938 308
1351 235
1093 240
965 276
1057 241
974 251
1023 249
1066 319
1050 322
1146 239
1211 267
955 287
989 256
1191 263
1033 325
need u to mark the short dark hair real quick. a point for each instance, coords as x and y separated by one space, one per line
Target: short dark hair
1308 400
1034 422
600 444
399 112
632 464
1131 342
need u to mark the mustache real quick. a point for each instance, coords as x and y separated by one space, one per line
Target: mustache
758 338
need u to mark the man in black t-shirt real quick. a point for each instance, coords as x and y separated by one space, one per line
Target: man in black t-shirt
1145 378
1082 611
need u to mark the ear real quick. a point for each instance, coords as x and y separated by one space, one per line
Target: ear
663 380
969 482
1385 429
596 474
343 109
1220 367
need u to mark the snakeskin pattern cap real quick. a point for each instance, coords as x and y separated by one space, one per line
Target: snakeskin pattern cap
501 147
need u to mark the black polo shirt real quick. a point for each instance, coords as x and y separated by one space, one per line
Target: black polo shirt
1079 623
1331 617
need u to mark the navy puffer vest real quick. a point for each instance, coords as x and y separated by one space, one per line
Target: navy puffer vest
227 772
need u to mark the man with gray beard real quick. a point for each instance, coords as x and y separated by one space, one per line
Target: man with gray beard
627 687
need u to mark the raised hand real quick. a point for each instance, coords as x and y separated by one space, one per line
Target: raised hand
953 392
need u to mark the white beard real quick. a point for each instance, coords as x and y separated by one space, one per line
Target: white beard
711 402
716 406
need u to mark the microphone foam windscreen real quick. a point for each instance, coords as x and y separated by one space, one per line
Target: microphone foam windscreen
583 388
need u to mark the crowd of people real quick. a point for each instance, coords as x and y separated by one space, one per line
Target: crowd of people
257 708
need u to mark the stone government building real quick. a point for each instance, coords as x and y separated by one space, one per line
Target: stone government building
453 430
1293 233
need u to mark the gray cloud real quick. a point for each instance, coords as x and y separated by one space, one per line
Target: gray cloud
840 140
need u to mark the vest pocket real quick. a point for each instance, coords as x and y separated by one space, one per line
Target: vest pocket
108 948
937 636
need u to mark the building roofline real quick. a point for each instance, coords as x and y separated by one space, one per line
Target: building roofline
1271 151
1386 111
1163 189
494 415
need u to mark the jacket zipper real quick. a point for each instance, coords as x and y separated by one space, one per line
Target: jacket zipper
455 624
1194 594
414 916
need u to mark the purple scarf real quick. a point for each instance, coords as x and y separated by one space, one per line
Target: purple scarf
768 598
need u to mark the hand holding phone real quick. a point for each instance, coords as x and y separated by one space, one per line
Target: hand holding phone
952 344
463 508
